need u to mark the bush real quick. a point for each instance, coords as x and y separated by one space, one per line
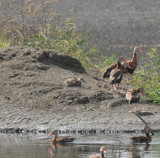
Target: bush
68 41
149 77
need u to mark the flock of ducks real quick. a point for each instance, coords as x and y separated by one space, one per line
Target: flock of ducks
115 74
137 139
123 66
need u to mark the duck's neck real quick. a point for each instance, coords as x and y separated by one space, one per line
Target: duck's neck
118 65
54 139
134 57
138 90
148 136
102 155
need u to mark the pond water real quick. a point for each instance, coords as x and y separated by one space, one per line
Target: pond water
39 146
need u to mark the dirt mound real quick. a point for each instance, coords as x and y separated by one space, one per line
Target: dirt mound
34 58
33 96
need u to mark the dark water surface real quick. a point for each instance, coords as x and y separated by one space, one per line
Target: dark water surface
39 146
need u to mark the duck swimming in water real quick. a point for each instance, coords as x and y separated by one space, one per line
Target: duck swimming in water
144 139
147 130
59 140
74 82
102 151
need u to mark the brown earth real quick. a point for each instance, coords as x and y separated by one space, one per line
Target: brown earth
34 98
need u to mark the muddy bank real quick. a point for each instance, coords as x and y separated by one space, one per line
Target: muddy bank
33 97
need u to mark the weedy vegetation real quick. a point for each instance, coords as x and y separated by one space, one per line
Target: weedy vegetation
149 77
38 24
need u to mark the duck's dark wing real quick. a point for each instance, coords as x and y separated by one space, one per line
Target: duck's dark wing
116 76
108 70
65 139
140 139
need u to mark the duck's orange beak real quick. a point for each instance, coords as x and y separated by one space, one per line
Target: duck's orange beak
128 66
140 50
151 130
124 59
104 151
51 132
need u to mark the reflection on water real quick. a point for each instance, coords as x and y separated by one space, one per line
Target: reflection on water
39 146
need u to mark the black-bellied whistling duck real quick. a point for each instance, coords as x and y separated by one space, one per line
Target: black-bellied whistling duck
133 62
106 73
133 95
147 130
102 151
73 82
144 139
60 139
116 74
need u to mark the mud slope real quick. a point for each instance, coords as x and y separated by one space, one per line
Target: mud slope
33 96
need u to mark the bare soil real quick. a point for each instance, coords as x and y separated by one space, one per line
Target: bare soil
34 98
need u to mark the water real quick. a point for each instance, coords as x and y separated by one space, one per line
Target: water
39 146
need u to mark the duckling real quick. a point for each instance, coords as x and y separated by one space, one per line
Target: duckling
102 151
74 82
133 95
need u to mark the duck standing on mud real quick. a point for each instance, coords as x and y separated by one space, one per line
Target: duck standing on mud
106 73
133 62
102 151
116 74
147 130
74 82
133 95
60 140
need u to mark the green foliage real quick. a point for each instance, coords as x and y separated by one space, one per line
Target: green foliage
149 77
66 40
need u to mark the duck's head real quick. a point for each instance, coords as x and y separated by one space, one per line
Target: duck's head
121 58
141 90
148 129
137 49
125 64
53 132
102 150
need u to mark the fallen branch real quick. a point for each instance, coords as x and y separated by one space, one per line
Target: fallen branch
139 117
